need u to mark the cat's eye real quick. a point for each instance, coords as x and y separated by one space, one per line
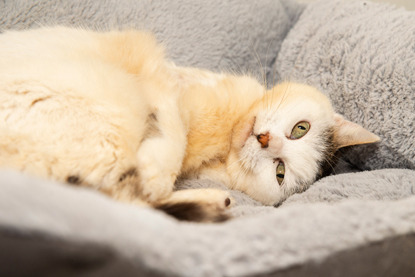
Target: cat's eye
299 130
280 172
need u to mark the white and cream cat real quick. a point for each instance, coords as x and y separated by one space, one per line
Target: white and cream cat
108 111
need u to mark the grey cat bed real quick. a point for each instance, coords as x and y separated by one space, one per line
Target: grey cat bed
359 223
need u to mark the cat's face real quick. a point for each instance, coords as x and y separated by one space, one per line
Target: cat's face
285 142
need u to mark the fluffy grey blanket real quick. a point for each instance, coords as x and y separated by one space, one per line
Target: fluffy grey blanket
353 224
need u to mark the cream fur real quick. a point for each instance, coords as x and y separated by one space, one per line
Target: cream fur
78 103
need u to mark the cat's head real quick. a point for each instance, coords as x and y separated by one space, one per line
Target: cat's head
287 141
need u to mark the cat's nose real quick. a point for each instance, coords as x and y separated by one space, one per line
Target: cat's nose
273 143
263 139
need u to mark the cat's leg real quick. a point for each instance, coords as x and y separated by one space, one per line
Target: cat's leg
162 150
202 205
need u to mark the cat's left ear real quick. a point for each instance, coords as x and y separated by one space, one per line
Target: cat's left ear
347 133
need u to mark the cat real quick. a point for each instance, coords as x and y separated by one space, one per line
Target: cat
107 110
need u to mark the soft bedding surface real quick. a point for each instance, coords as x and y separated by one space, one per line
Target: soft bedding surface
354 224
362 55
232 35
308 227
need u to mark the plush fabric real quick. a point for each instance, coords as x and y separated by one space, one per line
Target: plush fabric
308 227
362 55
354 52
232 35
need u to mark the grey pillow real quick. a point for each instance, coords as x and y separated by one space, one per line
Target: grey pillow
234 35
361 54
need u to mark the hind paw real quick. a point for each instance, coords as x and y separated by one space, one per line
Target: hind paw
201 205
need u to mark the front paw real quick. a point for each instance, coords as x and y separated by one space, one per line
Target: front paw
157 187
159 165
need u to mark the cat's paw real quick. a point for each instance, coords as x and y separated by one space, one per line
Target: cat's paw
201 205
156 187
159 165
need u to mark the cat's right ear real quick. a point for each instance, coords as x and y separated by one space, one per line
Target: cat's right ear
347 133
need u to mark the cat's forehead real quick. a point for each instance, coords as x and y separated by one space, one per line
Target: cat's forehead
289 103
293 99
299 94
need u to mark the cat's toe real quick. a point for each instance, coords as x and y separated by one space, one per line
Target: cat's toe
152 195
157 188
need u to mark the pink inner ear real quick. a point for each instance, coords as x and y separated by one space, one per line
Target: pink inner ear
347 133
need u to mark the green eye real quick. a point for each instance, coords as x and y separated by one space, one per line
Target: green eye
300 129
280 172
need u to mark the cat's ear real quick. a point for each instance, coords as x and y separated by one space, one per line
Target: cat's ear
347 133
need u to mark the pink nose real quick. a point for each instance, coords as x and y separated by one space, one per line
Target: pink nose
263 139
274 144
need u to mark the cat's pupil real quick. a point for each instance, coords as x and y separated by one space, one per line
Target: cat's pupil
280 175
301 127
